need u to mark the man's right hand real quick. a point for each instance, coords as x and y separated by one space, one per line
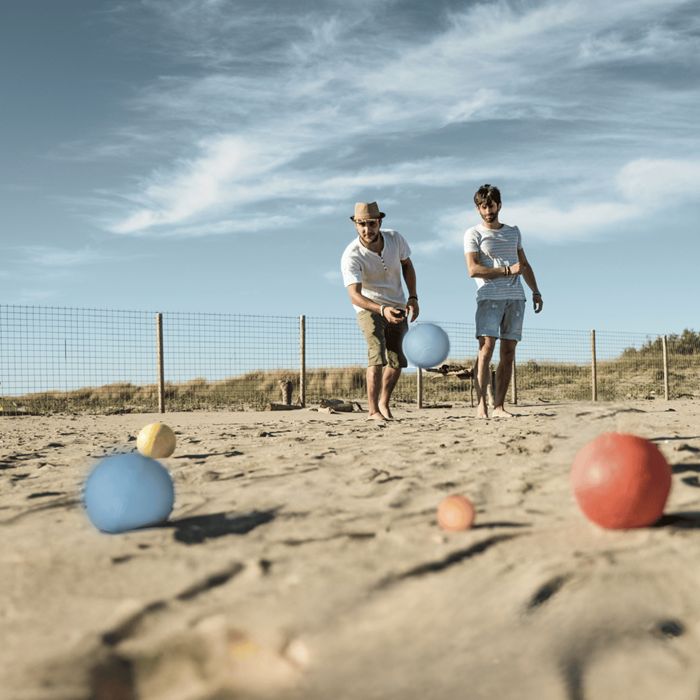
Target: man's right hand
394 315
515 269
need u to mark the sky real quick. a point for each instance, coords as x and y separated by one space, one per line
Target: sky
205 155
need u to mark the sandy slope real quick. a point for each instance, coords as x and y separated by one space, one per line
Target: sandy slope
303 560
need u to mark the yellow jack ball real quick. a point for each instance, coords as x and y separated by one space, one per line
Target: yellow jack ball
156 440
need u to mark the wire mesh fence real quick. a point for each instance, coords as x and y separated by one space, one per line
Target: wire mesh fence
58 359
107 361
218 361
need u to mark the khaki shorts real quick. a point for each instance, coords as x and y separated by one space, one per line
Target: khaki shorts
384 340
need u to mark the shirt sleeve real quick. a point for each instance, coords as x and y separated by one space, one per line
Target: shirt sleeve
404 248
351 269
471 241
520 240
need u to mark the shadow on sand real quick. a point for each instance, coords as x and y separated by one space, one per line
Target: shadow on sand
200 528
686 520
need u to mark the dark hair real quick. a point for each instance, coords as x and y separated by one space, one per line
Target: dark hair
487 194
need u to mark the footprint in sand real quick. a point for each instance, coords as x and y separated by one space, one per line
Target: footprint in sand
211 658
546 591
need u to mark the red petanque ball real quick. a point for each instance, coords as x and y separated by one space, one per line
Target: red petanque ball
621 481
455 513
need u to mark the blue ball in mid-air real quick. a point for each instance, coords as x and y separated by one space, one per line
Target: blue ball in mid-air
128 491
426 345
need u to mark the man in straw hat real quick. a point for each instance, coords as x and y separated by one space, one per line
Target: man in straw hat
372 267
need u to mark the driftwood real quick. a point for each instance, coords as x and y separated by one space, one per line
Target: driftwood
459 371
281 407
286 405
340 406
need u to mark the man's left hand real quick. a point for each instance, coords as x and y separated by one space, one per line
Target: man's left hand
537 302
412 310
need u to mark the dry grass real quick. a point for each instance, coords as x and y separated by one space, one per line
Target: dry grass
626 378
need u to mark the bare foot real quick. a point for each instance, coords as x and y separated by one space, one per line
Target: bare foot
386 412
376 416
482 412
501 412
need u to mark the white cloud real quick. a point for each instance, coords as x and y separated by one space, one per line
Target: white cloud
248 225
640 189
482 103
449 232
199 185
428 172
548 221
58 258
333 276
323 39
281 98
659 181
204 182
617 45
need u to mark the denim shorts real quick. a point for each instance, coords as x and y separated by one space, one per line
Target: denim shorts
384 340
500 318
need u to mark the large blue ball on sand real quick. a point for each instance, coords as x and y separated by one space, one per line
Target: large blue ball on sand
426 345
128 491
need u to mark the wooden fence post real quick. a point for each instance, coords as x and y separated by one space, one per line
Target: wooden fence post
419 387
594 370
161 367
302 360
514 386
664 347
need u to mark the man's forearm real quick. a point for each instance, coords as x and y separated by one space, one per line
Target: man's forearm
409 275
529 277
487 273
366 303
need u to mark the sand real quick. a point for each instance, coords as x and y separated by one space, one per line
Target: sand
303 560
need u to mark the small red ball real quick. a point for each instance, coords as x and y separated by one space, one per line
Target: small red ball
455 513
621 481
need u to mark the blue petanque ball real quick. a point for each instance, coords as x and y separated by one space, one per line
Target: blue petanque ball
128 491
426 345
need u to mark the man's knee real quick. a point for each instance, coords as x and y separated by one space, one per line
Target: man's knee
508 350
375 369
507 355
486 347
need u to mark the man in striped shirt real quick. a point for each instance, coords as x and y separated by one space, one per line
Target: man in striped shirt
496 260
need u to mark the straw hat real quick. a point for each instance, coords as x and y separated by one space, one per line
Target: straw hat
367 210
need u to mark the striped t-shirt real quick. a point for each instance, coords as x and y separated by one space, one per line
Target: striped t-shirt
496 249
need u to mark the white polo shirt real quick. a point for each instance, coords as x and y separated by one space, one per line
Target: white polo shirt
379 273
